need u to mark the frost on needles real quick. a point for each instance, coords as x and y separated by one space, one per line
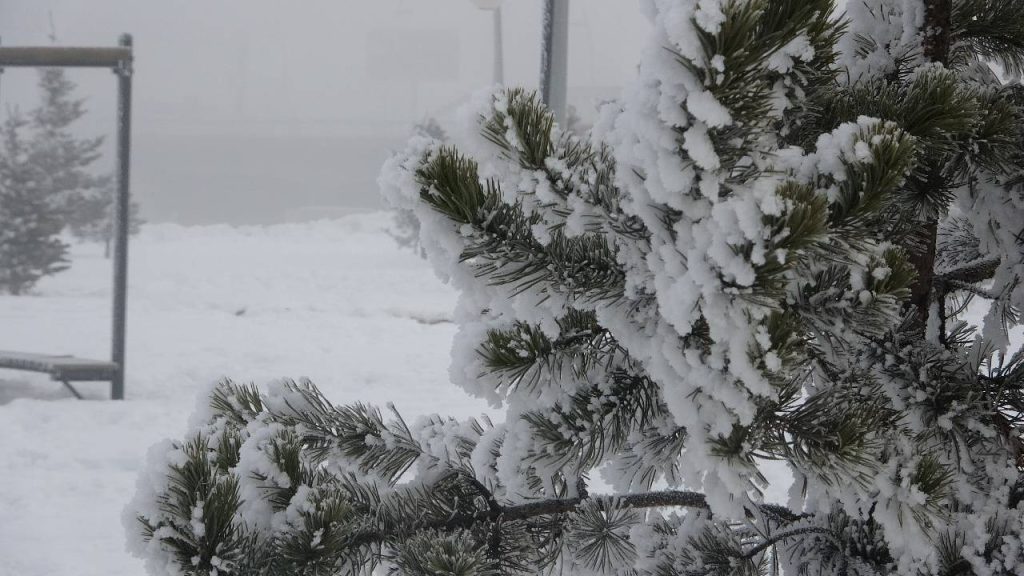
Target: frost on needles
763 251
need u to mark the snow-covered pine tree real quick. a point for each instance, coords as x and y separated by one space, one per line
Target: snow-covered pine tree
30 225
83 197
405 228
764 252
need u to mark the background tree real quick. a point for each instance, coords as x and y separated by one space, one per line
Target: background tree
64 158
92 215
763 252
30 223
85 199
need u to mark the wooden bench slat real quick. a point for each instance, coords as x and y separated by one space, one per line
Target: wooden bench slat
59 367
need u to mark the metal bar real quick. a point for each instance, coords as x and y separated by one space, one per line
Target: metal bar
72 388
122 214
42 56
554 57
499 48
545 51
559 59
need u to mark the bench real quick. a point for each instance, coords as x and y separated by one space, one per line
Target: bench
64 369
120 60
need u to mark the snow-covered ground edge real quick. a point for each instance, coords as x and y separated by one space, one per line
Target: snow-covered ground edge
335 301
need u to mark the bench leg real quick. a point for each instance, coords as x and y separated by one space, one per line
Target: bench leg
72 388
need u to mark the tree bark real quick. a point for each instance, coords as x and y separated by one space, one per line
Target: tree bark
936 31
938 20
923 260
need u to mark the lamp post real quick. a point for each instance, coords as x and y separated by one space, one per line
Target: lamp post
494 6
554 65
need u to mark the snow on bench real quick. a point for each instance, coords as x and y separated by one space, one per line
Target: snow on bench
65 369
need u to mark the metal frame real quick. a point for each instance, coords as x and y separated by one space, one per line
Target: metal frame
120 60
554 64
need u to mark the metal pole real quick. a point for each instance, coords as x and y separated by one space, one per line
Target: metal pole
121 218
554 56
545 51
499 49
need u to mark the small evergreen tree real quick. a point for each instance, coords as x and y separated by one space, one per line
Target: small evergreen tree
763 252
30 224
64 158
86 200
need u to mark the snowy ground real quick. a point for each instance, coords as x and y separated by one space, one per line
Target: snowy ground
337 302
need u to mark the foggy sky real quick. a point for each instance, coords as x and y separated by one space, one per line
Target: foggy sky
288 105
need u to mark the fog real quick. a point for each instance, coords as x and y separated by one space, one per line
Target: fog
257 111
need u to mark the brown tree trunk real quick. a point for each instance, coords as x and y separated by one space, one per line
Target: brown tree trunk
938 20
937 24
923 260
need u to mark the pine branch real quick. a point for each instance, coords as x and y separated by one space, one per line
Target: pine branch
661 499
599 420
780 536
500 242
990 29
531 511
523 356
969 273
492 502
538 509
